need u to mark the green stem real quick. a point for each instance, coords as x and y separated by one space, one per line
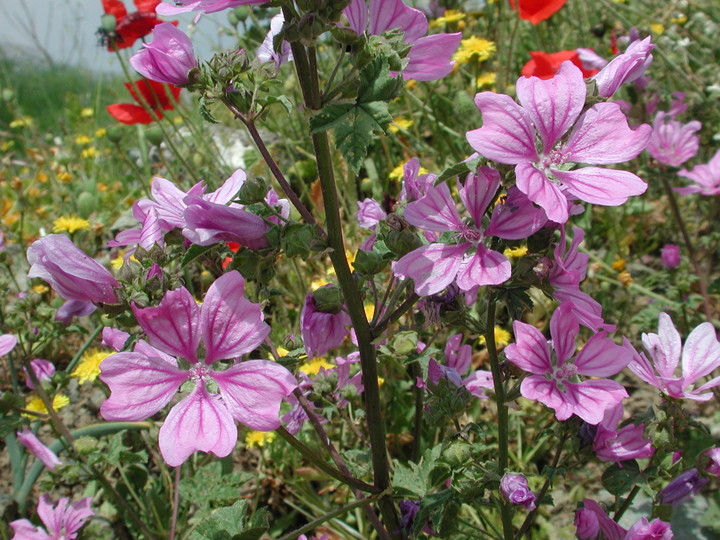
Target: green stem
85 347
307 74
502 416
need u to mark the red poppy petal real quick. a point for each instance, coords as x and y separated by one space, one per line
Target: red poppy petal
537 10
115 7
133 27
146 5
127 113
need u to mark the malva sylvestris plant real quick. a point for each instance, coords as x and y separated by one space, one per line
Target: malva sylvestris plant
448 258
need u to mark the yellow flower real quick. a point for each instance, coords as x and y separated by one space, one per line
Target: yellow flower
24 121
33 192
282 351
657 28
474 48
449 17
259 438
64 177
625 278
70 224
369 311
319 282
398 172
41 177
618 265
40 289
314 366
516 252
89 153
87 112
88 368
400 124
35 404
680 19
118 261
100 133
82 140
486 79
11 219
502 337
381 381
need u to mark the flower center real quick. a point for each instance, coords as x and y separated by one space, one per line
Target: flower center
199 372
565 371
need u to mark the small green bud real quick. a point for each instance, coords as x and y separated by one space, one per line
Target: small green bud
402 242
154 135
368 262
8 94
86 204
328 299
85 445
458 454
233 19
242 12
108 23
405 342
253 190
115 134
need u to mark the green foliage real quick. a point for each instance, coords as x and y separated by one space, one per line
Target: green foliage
232 523
211 486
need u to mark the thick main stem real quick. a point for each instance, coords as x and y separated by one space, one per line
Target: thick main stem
305 66
502 413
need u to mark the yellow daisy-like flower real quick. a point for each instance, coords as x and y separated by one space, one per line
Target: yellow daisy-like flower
474 48
449 17
657 28
502 337
89 153
64 177
41 177
625 278
618 265
400 124
486 79
118 261
82 140
70 224
24 121
33 192
319 282
259 438
88 367
35 404
87 112
100 133
282 351
314 366
40 289
516 252
680 19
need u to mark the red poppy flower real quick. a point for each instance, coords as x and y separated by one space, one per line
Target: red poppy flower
233 246
536 10
129 27
153 94
544 65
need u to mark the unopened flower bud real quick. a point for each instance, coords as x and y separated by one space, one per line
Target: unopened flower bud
154 135
253 190
402 242
328 299
108 22
368 262
514 487
115 134
670 256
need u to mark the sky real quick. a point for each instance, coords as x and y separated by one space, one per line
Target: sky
64 31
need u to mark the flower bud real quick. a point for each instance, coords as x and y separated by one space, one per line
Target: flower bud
670 256
108 22
115 134
514 487
253 190
682 488
368 262
402 242
328 299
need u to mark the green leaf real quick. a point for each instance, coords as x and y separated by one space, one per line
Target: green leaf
620 480
463 167
194 252
355 135
437 510
376 84
210 487
229 523
417 478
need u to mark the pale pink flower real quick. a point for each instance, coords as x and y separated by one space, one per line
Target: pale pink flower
168 58
266 52
429 58
414 184
144 381
705 178
205 6
700 357
714 465
322 330
30 441
458 358
554 367
548 110
673 142
591 519
43 369
613 444
7 343
74 276
369 213
62 521
624 68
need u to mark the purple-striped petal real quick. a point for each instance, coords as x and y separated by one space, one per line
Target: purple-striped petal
589 399
435 211
479 192
540 190
432 267
596 185
564 328
516 218
389 14
701 353
601 357
430 57
485 267
531 351
230 324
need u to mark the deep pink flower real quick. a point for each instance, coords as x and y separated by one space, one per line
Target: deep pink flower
206 6
673 142
74 276
705 178
322 330
43 369
613 444
700 357
514 487
74 308
62 521
554 368
714 465
458 358
670 256
168 58
208 223
429 58
653 530
436 265
142 382
591 519
568 270
625 68
548 110
30 441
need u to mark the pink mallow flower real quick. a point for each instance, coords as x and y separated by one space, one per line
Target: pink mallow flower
205 6
7 343
682 488
705 178
144 381
700 357
670 256
514 487
30 441
591 520
62 521
43 369
673 142
624 68
429 58
554 380
266 52
613 444
714 466
74 276
650 530
323 328
168 58
548 109
458 363
434 266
